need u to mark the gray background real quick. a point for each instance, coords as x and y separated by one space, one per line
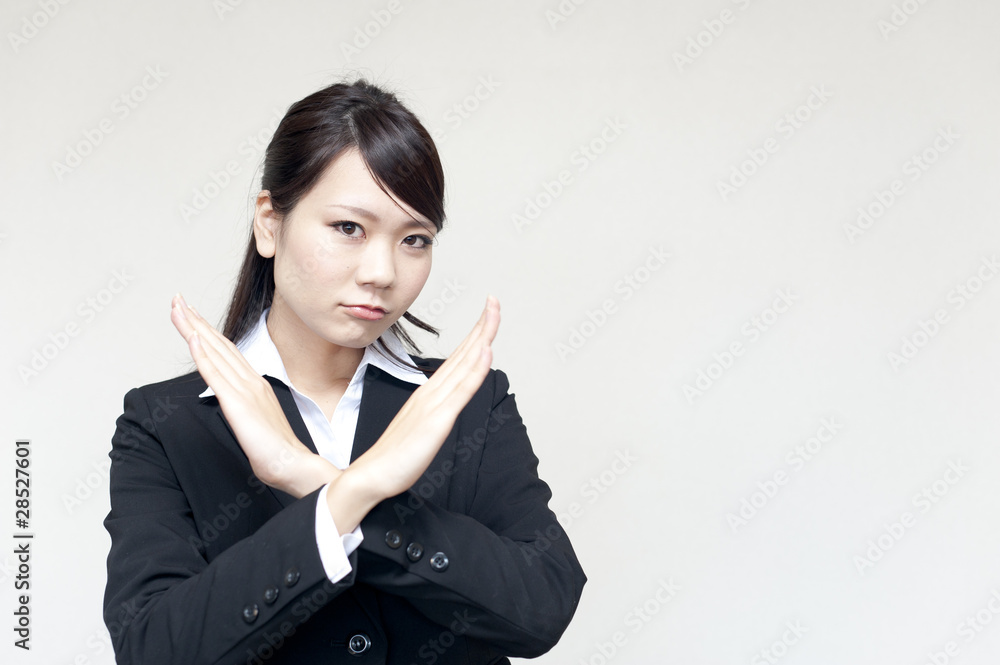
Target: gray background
883 95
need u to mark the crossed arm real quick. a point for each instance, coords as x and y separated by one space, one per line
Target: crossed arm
390 467
513 576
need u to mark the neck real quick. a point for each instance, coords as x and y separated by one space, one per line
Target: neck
313 364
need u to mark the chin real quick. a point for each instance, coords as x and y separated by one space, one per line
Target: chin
356 341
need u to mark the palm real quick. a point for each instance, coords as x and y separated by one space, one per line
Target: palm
251 408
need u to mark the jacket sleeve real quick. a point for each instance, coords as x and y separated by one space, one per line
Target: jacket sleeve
503 571
164 602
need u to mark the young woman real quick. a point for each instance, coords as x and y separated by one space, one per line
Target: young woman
314 493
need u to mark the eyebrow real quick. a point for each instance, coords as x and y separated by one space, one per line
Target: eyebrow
367 214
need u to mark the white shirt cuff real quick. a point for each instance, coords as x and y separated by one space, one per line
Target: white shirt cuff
334 548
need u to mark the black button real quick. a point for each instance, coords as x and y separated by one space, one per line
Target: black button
270 594
250 613
358 644
439 561
292 576
414 551
394 539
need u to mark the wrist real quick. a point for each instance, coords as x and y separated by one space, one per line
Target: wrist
350 498
302 472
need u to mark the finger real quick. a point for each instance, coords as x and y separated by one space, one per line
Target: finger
470 338
206 367
469 376
451 374
183 318
210 332
180 321
466 357
483 332
481 335
467 369
216 372
225 355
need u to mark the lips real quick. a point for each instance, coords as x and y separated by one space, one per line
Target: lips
371 307
366 312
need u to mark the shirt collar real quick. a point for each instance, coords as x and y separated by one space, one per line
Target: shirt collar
260 351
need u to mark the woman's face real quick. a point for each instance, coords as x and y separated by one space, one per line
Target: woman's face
346 245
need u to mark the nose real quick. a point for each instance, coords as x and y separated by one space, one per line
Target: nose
377 265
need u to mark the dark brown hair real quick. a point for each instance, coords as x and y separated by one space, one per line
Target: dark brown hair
397 150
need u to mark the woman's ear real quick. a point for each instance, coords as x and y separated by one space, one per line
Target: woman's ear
265 225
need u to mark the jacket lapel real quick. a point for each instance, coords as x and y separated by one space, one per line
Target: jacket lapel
288 405
382 398
291 410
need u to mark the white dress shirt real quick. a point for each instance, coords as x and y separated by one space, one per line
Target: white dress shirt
334 438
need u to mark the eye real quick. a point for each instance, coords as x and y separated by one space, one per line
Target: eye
418 241
350 229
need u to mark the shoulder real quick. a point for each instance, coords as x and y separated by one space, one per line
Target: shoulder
170 410
426 363
495 385
190 384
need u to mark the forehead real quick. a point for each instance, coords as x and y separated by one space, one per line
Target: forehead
347 183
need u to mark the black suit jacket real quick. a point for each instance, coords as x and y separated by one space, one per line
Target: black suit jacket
209 565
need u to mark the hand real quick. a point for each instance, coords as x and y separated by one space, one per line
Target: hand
251 408
410 442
